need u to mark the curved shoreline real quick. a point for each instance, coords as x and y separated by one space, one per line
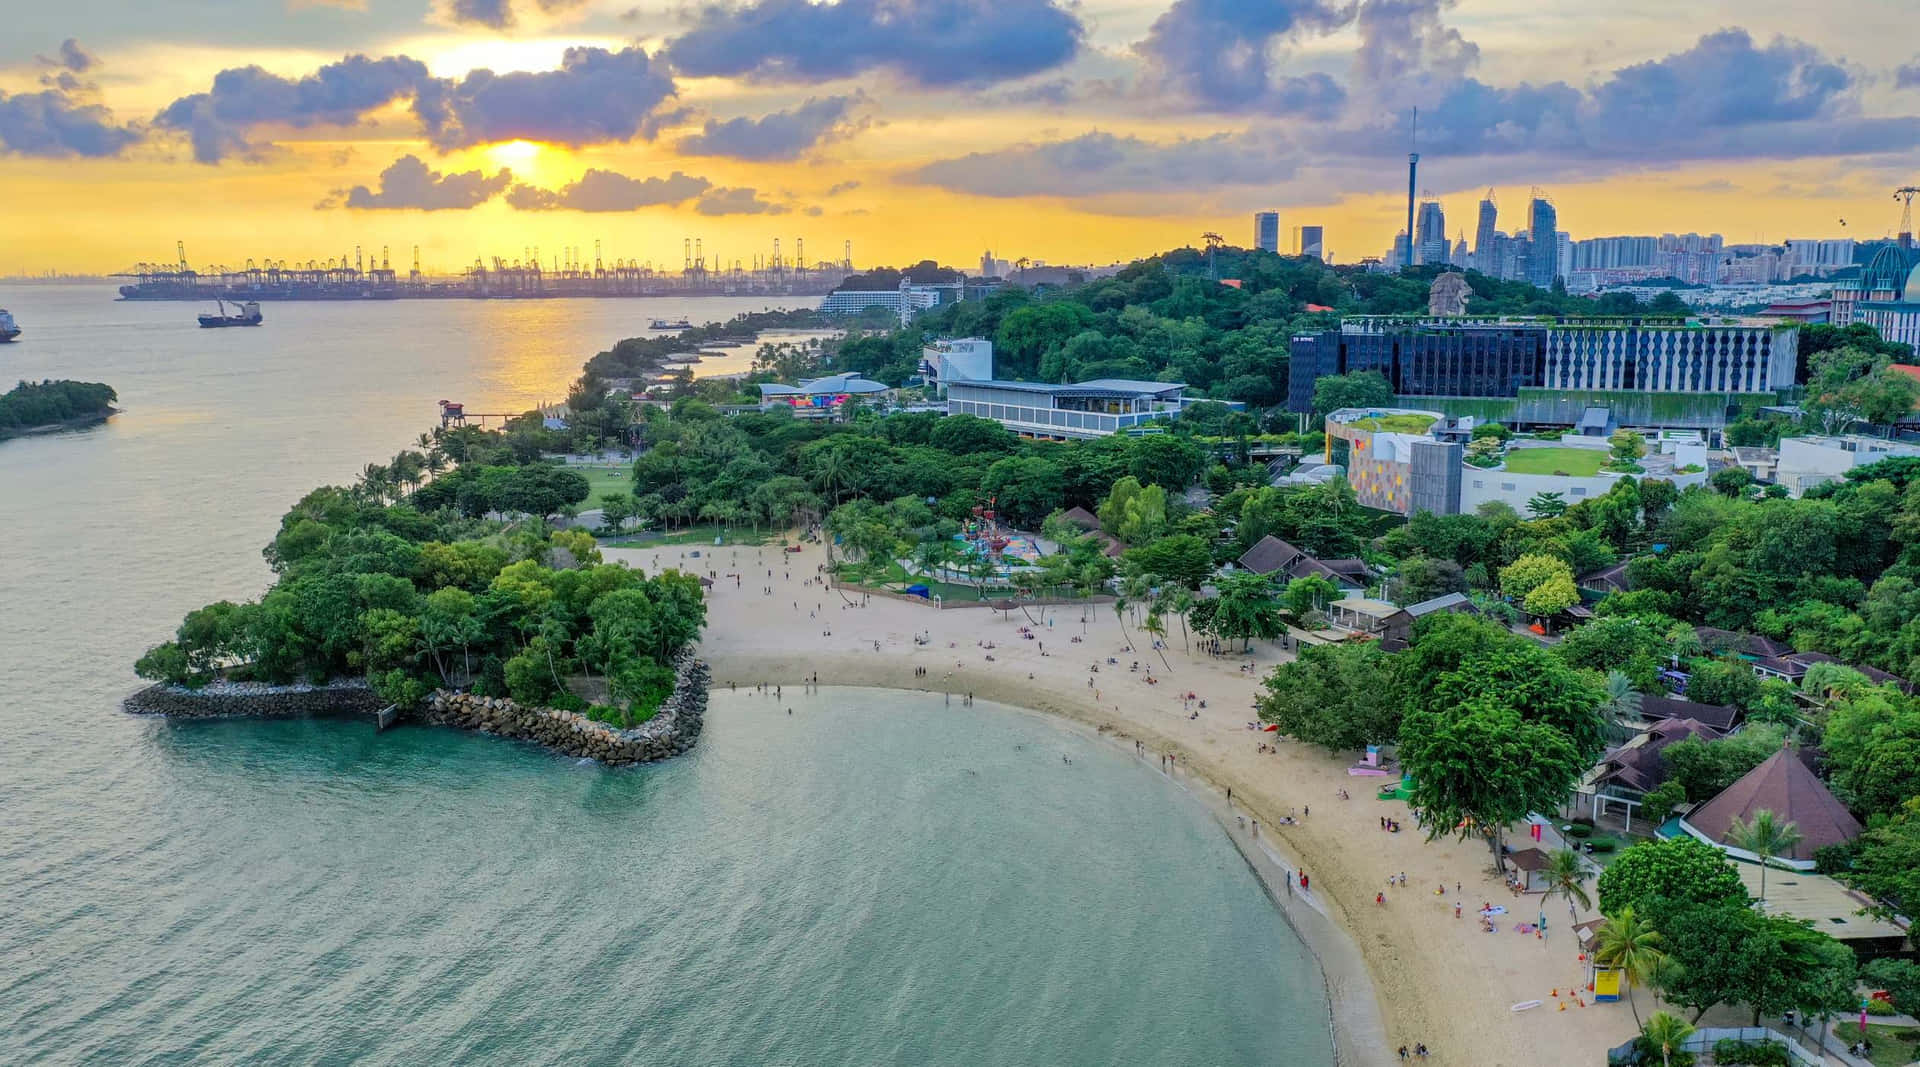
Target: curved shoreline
1354 1009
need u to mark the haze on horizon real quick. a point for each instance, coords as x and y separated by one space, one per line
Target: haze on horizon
1072 132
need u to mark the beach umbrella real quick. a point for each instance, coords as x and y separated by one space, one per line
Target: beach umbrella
1003 605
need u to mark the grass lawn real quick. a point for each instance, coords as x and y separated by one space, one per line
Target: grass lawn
1579 462
1892 1045
1395 423
692 535
605 480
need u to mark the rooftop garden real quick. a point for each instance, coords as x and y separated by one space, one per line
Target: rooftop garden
1577 462
1401 422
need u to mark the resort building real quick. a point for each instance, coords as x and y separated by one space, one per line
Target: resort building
966 358
1784 786
818 398
1274 557
1804 462
1097 408
1551 371
1886 296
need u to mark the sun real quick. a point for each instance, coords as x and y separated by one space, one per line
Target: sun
520 154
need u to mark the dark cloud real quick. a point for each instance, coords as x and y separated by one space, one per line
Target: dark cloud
743 201
1218 54
596 97
495 14
51 124
72 57
927 42
605 190
1403 38
410 184
781 135
843 187
1907 75
1097 163
218 121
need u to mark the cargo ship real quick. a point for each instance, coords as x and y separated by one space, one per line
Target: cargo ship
676 324
249 316
8 330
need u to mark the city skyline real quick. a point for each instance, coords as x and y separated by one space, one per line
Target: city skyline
1088 133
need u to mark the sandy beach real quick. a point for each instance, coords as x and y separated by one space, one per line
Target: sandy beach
1405 971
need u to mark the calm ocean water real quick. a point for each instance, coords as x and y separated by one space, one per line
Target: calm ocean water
946 891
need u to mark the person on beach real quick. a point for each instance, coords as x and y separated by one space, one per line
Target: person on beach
1379 898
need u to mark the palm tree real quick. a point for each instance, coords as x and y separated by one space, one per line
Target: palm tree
1158 631
1765 837
1180 601
1626 943
1567 876
1623 702
1666 1032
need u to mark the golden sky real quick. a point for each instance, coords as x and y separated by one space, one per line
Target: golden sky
1067 132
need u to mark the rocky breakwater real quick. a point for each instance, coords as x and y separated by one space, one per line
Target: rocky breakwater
671 732
256 700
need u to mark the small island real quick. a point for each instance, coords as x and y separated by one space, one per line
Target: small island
49 406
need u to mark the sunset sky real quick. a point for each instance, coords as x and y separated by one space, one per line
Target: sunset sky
1070 132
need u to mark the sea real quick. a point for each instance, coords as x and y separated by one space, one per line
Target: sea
877 878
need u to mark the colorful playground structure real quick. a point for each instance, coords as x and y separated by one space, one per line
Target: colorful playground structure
986 538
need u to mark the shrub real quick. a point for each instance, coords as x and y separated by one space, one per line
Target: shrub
1603 844
1876 1006
1729 1050
1581 830
1834 859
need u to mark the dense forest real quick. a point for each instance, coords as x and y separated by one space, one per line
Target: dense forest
404 583
31 405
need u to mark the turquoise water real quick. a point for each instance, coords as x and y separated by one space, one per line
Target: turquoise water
879 879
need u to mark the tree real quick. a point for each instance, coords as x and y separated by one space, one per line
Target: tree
1731 481
1246 609
1626 942
1901 980
1481 765
1567 876
615 510
1165 460
1545 505
1655 876
1182 558
1551 597
1765 837
1361 389
1627 448
1340 697
1666 1032
1519 579
1304 596
1421 579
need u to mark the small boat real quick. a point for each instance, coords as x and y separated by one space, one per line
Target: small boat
249 315
676 324
8 330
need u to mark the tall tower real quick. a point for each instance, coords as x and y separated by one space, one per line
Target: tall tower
1413 172
1543 260
1485 237
1266 231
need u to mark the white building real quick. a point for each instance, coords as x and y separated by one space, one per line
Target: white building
1098 408
1809 461
1672 359
966 358
906 302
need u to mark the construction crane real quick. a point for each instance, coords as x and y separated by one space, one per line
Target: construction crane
1905 195
1214 241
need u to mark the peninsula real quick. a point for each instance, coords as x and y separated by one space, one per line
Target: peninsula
49 406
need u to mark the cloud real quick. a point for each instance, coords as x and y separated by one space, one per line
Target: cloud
1096 163
1907 75
843 187
1404 40
781 135
605 190
925 42
596 97
1217 54
496 14
218 122
72 57
52 125
410 185
742 201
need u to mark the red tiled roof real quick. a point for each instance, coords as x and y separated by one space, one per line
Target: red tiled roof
1784 786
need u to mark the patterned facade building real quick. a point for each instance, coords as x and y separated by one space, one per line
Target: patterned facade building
1672 359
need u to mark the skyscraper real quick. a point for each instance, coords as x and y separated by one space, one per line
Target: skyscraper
1543 256
1310 241
1486 239
1430 247
1266 231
